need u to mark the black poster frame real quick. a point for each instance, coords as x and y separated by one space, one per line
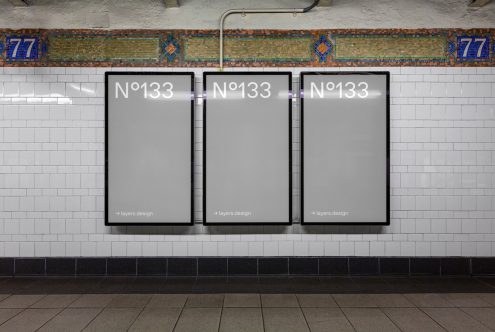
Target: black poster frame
236 73
121 73
387 170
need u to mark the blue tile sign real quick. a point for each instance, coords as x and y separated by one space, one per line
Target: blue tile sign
22 48
473 47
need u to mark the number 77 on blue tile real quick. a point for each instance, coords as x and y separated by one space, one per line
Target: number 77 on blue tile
473 47
22 48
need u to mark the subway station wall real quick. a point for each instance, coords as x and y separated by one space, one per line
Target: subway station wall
442 175
442 146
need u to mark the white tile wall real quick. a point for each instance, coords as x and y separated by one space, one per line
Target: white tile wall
442 174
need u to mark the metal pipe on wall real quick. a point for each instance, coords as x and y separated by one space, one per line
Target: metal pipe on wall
257 11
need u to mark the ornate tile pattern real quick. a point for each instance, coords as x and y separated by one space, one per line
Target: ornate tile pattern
322 48
257 47
171 48
452 48
102 48
390 47
280 48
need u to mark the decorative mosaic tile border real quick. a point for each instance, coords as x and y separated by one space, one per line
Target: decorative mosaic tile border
254 48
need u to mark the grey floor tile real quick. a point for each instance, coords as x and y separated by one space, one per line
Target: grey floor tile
453 319
205 301
316 301
242 301
20 301
156 319
29 320
129 301
199 320
354 300
466 300
241 320
391 301
114 319
6 314
487 297
429 300
284 320
4 296
167 301
279 301
412 319
327 320
369 319
56 301
71 319
92 301
484 315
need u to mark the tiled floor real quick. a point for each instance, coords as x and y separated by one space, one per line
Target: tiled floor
248 312
277 303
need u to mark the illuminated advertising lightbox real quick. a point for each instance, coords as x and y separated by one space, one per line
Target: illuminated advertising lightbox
148 148
247 148
345 148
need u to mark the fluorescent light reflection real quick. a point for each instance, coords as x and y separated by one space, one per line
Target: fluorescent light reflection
80 88
346 94
238 95
49 100
177 95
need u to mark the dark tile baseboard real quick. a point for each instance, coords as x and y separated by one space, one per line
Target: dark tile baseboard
247 266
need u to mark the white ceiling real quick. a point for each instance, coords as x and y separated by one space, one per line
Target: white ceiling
204 14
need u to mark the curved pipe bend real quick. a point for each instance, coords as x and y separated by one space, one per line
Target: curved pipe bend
257 11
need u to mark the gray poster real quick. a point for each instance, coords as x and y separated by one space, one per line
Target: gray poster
148 148
345 143
247 129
